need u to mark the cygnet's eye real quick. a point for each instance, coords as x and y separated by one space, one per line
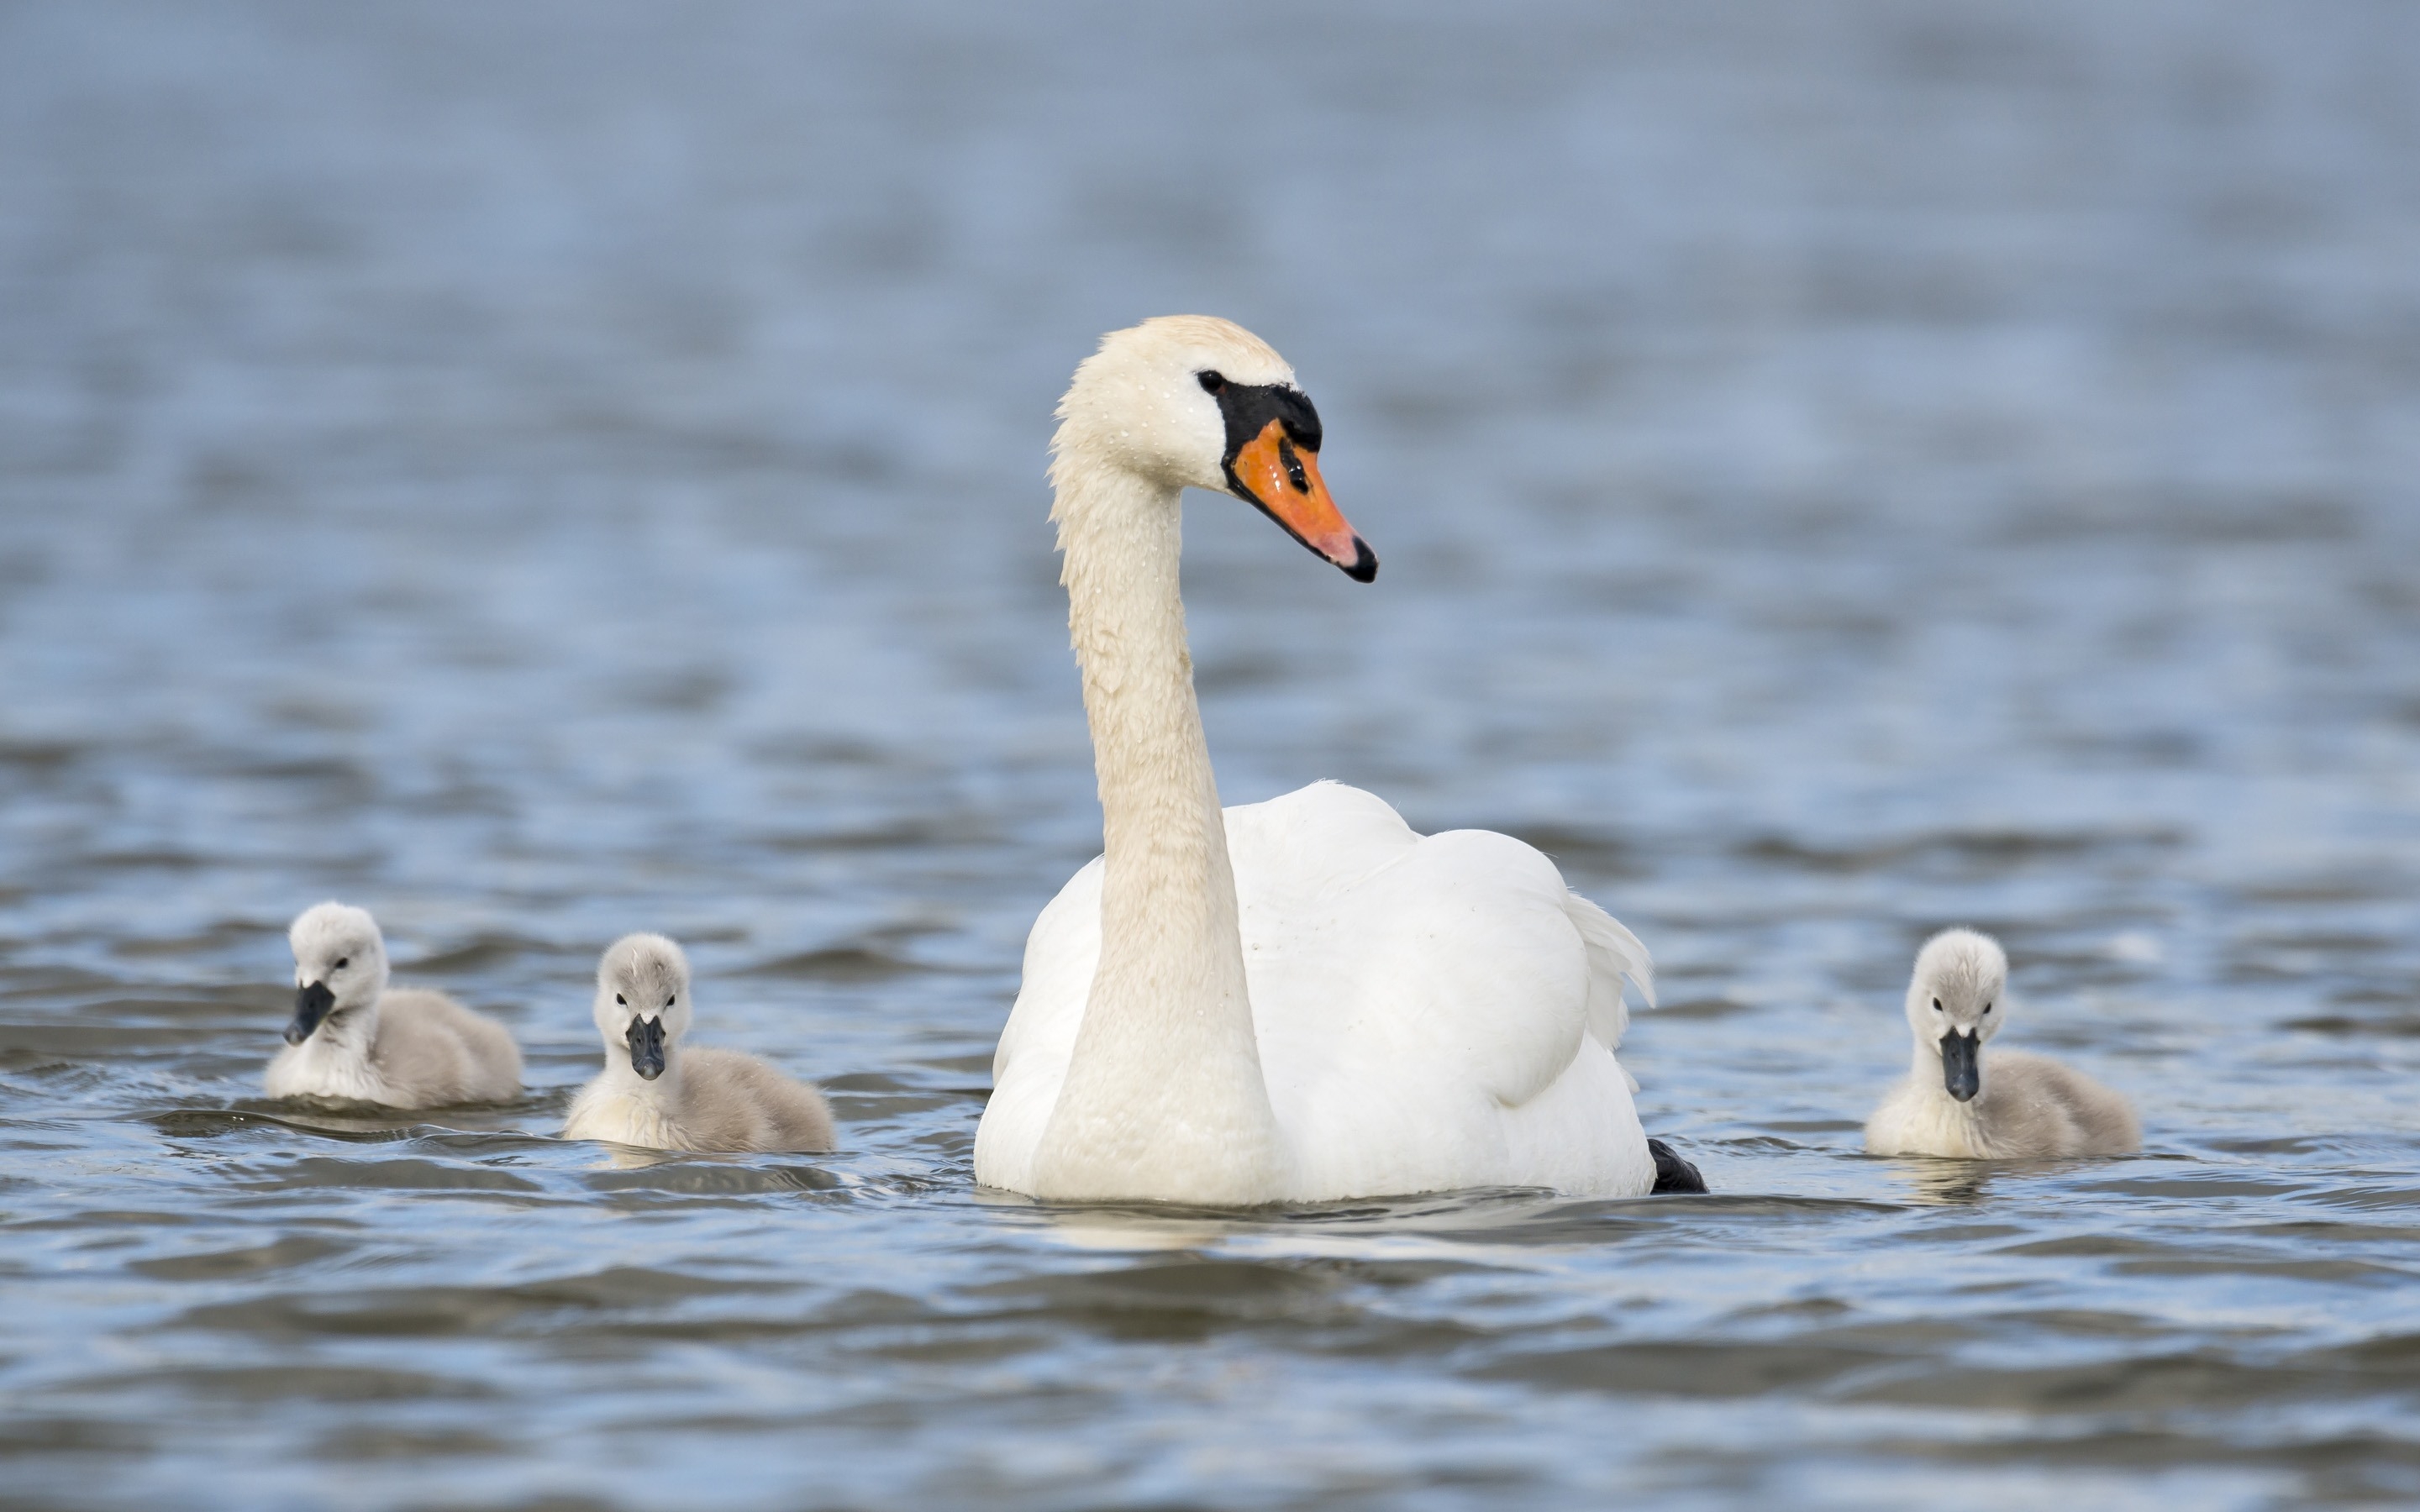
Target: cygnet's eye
343 961
619 998
1212 381
1936 1005
668 1002
1987 1008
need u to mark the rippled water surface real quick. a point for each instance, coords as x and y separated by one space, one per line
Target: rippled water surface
544 471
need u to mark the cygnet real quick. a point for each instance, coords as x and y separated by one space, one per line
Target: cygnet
352 1037
2009 1105
658 1094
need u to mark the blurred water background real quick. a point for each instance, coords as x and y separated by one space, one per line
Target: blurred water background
549 469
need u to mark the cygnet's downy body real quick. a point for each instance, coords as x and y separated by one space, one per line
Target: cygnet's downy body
353 1038
1962 1102
658 1093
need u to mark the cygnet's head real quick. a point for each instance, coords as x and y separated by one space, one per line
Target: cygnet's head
1191 401
642 1001
339 966
1957 1000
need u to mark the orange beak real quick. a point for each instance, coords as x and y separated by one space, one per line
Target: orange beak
1283 479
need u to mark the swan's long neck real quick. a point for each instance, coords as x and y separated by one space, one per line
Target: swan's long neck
1164 1094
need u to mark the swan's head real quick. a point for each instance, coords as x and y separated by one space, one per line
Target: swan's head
1957 1000
1191 401
339 966
642 1001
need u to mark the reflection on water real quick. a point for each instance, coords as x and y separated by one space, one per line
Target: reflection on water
544 471
1952 1182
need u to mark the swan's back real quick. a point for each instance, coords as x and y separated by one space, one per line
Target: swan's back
431 1050
1432 1013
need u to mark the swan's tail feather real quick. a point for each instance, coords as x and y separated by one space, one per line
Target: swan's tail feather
1614 954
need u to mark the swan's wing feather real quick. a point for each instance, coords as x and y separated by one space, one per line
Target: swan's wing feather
1060 954
1424 1004
1314 840
1615 955
1469 932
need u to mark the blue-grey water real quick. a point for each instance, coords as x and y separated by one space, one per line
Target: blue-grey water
545 471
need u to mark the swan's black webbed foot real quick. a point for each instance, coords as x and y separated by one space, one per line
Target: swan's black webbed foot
1673 1173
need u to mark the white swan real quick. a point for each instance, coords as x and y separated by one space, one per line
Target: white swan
1301 999
658 1094
353 1038
2026 1108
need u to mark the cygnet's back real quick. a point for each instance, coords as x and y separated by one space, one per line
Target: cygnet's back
354 1036
733 1101
431 1050
1957 1102
659 1094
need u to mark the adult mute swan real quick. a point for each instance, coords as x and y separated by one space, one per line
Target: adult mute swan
351 1037
1300 999
659 1094
2026 1108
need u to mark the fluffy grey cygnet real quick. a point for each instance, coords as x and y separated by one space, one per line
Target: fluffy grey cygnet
2008 1105
658 1094
351 1037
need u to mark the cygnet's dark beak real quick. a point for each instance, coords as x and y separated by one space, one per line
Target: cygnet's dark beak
646 1038
311 1005
1961 1071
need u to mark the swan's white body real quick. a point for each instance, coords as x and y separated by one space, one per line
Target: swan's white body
1431 1012
1295 1000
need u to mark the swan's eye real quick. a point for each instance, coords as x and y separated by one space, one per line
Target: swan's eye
1936 1005
619 998
1212 381
343 961
668 1002
1987 1008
